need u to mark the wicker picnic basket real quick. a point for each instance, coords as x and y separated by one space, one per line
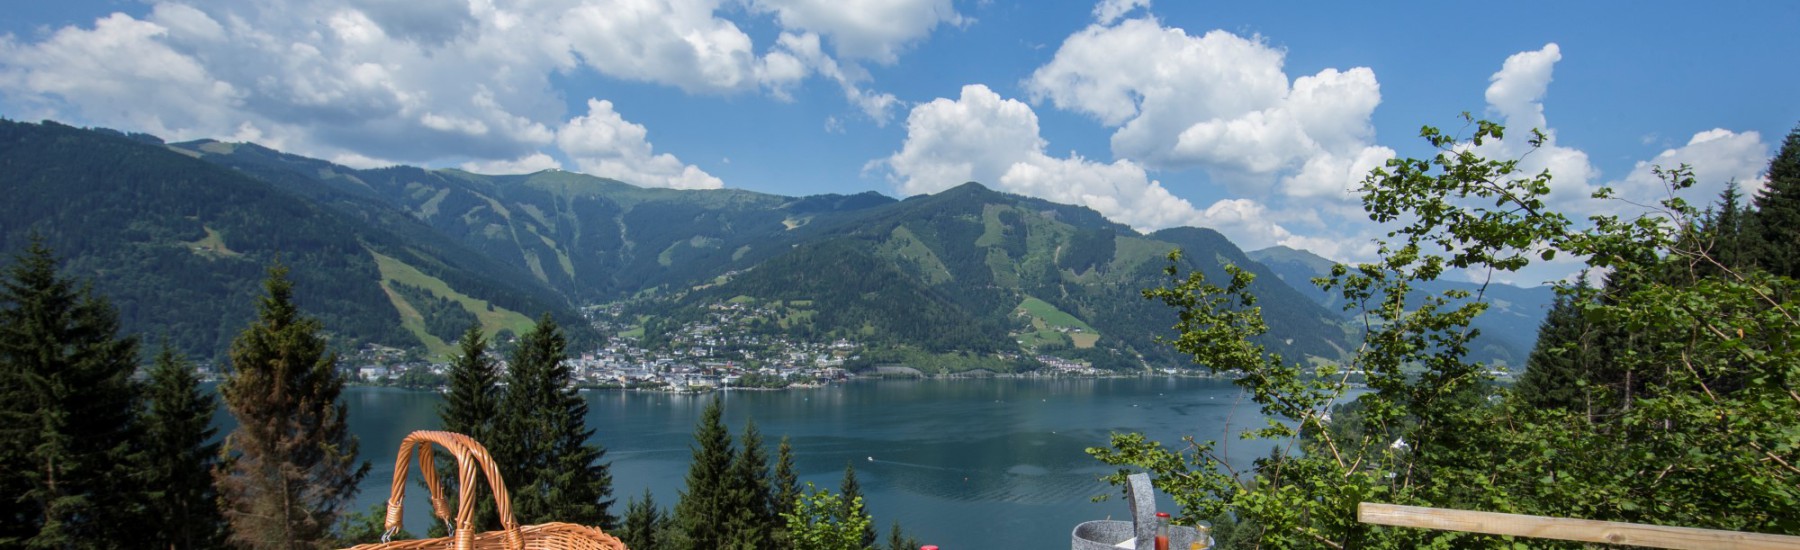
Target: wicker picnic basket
470 456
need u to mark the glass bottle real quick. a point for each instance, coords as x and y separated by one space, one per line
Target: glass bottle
1202 536
1162 531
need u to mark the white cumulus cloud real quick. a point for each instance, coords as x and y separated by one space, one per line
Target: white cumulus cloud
805 54
603 143
528 164
985 138
1516 95
1517 90
1109 11
678 42
124 70
430 81
1717 156
1219 102
876 30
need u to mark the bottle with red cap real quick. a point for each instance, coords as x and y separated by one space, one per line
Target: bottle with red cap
1162 531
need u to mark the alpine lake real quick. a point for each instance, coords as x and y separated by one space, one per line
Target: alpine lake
960 463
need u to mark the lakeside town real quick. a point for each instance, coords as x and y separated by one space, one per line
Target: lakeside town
730 347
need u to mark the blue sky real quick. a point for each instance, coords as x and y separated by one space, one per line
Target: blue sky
1254 118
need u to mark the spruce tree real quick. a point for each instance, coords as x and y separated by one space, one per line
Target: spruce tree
1728 231
179 455
898 540
290 467
473 401
854 504
752 519
470 408
541 442
68 412
702 511
786 488
1557 372
1777 215
643 523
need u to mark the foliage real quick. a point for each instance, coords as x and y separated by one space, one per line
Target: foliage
898 540
1700 369
822 520
760 380
541 440
751 497
444 318
1568 358
643 522
1778 211
366 527
704 508
786 487
852 501
472 407
179 455
290 466
852 289
68 412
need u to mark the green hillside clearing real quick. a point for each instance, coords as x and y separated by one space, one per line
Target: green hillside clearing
492 320
1052 325
212 245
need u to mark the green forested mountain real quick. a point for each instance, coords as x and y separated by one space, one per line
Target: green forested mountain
179 245
588 239
974 270
178 235
1508 329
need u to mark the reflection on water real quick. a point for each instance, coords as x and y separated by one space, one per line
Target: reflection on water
959 463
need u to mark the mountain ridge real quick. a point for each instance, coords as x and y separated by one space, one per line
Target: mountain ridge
983 272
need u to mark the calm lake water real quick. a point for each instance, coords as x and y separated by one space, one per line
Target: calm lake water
959 463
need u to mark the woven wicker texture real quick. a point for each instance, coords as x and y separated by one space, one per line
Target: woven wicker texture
471 456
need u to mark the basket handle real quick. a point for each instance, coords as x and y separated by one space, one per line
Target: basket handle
470 455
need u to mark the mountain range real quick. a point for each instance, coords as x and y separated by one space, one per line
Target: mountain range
178 236
1507 329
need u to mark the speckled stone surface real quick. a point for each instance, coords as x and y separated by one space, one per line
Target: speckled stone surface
1105 534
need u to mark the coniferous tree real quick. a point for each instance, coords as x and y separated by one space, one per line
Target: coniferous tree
1777 214
473 401
541 442
470 408
703 510
787 483
786 488
643 523
1728 231
1560 365
67 413
853 503
179 456
290 467
898 540
752 518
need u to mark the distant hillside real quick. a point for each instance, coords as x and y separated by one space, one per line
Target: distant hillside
588 239
1508 328
178 235
180 246
973 269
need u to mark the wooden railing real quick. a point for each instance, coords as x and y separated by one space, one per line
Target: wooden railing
1580 530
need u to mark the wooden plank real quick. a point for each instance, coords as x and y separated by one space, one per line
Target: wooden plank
1610 532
